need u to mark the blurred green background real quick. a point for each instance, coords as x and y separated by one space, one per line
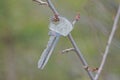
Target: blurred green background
24 35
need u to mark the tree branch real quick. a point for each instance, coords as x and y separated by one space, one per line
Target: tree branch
108 44
81 57
55 12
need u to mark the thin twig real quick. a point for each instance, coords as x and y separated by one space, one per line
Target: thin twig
68 50
41 2
108 44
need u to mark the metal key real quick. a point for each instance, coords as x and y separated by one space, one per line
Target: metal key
63 27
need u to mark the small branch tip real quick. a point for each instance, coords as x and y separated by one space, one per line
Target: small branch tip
41 2
68 50
77 17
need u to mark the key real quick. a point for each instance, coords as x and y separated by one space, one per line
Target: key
62 27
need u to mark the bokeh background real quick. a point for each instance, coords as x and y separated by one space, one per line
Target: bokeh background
24 35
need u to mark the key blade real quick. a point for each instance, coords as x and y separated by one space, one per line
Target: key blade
48 51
